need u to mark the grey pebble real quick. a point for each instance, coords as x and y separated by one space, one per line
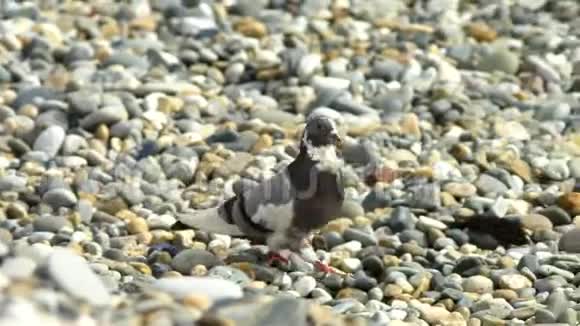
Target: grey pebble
60 197
18 268
72 273
184 261
50 223
50 140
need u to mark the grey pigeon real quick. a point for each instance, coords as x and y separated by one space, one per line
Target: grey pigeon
282 211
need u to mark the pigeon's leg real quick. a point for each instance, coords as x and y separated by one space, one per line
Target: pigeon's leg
319 264
327 269
282 256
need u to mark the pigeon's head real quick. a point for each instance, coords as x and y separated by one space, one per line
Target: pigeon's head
321 131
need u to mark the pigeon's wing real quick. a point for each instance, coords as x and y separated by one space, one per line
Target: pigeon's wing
270 203
243 185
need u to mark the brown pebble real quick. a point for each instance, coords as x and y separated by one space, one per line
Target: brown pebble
264 142
482 32
570 202
197 301
249 26
102 132
137 225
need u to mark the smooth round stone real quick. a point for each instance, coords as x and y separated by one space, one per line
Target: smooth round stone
276 116
365 283
50 223
164 221
186 260
230 274
557 303
73 274
351 246
212 288
557 170
18 268
108 115
529 261
514 282
458 236
401 219
373 265
304 285
351 209
30 95
570 241
73 143
321 296
500 59
548 284
83 102
442 243
359 295
574 167
3 249
488 184
426 223
182 171
376 199
478 284
414 235
60 197
351 265
497 307
544 316
569 317
536 222
365 238
50 140
553 270
557 215
333 282
51 119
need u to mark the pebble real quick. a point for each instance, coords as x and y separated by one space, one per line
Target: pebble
478 284
514 282
50 140
304 285
186 260
569 241
211 288
60 197
73 274
50 223
18 268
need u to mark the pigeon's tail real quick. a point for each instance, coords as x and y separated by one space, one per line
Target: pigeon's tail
209 220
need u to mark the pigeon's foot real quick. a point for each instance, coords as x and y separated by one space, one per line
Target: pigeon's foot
280 257
325 268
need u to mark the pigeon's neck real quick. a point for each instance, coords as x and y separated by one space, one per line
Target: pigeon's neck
323 156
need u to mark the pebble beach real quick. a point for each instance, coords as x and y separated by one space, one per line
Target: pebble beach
118 116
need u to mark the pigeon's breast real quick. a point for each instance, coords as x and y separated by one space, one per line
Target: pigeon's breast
324 205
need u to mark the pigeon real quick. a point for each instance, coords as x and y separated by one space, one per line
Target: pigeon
283 211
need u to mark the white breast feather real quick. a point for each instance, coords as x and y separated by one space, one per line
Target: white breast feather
275 217
325 156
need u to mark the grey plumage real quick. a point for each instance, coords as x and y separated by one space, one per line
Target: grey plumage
283 210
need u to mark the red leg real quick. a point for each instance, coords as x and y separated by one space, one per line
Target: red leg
323 267
276 257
